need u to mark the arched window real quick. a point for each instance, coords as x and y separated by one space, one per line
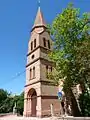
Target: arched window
48 44
47 68
44 42
47 71
30 73
34 43
31 45
33 72
51 69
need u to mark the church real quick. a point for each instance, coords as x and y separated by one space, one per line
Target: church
40 92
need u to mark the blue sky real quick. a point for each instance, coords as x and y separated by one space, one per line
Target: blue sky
16 20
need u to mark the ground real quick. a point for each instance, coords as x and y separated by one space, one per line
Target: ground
13 117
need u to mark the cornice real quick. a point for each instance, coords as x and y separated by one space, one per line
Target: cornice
43 82
37 60
37 48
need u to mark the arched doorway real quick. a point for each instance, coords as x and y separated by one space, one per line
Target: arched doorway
33 96
33 103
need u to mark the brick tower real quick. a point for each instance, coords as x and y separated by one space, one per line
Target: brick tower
39 91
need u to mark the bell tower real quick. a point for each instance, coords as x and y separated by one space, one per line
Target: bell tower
40 92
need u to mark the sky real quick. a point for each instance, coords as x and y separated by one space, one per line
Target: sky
16 20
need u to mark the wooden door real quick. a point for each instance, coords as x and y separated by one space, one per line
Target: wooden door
33 105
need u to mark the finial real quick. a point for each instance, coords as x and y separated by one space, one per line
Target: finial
39 3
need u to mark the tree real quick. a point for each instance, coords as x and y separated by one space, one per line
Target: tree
3 95
20 103
7 102
71 35
19 100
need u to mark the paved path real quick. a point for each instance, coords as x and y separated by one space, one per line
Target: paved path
13 117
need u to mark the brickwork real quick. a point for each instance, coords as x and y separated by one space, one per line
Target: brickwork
46 109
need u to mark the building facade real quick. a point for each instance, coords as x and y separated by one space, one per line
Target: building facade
40 92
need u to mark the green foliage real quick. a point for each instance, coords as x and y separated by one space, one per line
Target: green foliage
5 105
7 102
70 32
84 101
71 35
20 104
3 95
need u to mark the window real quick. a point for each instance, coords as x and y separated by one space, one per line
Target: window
33 56
30 73
51 69
33 72
47 71
31 45
47 68
34 43
44 42
48 44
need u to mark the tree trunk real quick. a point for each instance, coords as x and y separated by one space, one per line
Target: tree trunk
72 102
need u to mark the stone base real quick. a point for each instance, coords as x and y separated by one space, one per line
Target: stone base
46 106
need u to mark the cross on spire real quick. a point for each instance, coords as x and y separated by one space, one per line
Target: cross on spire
39 3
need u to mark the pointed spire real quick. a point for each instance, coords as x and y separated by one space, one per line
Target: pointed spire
39 21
